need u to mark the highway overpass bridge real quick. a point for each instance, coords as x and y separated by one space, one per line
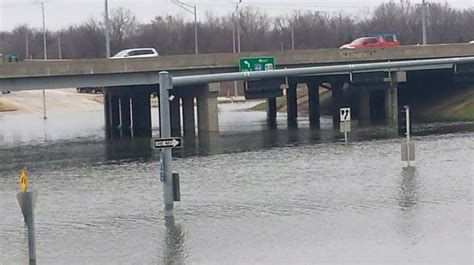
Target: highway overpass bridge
129 82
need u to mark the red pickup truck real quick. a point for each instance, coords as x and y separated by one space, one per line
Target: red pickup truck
373 42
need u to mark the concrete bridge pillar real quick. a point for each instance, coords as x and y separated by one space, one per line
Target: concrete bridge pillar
141 114
391 104
125 118
175 115
271 111
364 105
313 102
292 104
189 125
337 101
207 109
111 114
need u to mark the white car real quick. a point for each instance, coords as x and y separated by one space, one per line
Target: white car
136 53
471 42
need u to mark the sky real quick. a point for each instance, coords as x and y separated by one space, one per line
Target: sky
62 13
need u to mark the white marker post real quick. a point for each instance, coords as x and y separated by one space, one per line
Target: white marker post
345 122
408 148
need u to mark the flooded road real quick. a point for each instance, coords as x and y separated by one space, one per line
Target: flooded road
250 195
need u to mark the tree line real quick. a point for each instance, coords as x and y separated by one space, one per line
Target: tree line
258 31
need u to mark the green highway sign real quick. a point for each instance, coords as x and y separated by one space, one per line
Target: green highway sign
256 64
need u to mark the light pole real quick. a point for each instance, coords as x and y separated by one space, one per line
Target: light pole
423 21
45 54
41 4
238 37
238 25
107 30
191 9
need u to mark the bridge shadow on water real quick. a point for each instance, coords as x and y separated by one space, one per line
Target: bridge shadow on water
211 143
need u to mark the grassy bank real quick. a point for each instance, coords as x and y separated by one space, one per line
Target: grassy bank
459 107
463 111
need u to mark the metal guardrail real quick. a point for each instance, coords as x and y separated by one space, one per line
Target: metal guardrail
319 70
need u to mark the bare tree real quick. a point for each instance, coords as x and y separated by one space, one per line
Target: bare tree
123 25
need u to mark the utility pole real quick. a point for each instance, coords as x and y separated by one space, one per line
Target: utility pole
423 22
60 54
292 38
191 9
107 30
27 48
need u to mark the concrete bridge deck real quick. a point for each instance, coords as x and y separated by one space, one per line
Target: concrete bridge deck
228 62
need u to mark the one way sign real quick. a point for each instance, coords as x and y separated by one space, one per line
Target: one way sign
345 114
172 142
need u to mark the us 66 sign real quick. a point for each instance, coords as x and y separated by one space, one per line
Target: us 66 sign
256 64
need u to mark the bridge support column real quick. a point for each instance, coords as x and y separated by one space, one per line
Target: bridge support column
292 104
364 105
337 101
141 114
391 104
189 125
175 115
271 111
207 109
111 115
313 102
125 119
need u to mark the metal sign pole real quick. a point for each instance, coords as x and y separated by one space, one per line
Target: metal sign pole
345 122
165 86
408 133
44 105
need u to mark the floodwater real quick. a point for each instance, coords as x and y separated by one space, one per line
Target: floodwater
251 195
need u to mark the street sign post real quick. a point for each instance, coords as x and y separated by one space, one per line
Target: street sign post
256 64
345 121
171 142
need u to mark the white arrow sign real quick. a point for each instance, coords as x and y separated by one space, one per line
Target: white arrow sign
173 142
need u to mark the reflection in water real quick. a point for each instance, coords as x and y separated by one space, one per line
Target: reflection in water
126 190
173 251
408 189
407 226
293 136
117 149
208 143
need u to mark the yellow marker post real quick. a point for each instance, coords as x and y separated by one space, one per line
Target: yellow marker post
23 180
27 201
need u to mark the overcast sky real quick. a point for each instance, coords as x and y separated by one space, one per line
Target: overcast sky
62 13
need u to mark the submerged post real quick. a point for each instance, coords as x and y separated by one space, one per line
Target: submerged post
165 132
27 200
